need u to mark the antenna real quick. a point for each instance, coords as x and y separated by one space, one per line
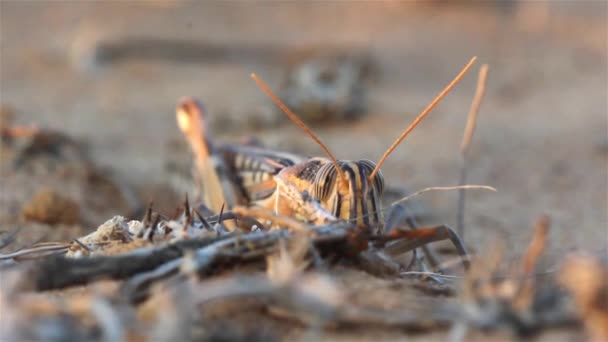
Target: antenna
299 122
421 116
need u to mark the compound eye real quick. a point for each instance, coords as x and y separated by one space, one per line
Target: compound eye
325 180
378 181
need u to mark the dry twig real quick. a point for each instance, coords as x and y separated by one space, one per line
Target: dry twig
466 141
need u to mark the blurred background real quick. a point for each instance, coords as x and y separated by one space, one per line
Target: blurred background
109 74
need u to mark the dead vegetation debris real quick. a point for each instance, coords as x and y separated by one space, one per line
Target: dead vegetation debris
48 206
175 279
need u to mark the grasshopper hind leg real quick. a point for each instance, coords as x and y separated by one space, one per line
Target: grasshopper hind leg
418 237
412 239
214 178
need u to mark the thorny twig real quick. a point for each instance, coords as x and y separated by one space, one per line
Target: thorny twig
59 272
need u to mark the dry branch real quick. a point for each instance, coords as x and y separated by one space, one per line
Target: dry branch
58 272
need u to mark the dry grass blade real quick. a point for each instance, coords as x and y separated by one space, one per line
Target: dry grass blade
472 118
466 141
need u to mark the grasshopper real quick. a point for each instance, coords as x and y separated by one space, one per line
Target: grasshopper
315 190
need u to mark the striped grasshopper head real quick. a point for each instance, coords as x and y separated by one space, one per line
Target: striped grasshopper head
350 190
349 196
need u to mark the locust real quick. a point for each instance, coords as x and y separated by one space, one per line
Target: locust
316 190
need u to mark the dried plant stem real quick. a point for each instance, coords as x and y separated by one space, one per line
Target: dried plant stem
537 245
466 141
472 118
529 262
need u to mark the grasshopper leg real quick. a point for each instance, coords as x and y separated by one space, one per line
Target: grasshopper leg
397 215
215 179
411 239
400 213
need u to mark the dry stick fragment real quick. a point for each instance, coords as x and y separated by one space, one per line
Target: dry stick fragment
227 215
219 220
146 220
153 228
526 289
466 141
148 217
187 209
537 246
205 223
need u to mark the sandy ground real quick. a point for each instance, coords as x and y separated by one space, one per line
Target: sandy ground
542 134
